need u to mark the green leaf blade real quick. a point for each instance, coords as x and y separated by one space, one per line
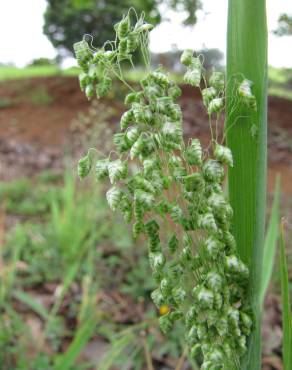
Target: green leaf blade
271 242
286 306
247 56
30 301
82 336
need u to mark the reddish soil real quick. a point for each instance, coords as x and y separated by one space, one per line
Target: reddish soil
43 123
38 114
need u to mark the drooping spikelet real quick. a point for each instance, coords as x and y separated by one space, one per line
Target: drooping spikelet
158 180
84 166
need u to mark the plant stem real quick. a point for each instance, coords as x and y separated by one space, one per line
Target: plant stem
247 55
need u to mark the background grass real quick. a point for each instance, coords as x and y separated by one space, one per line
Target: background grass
12 73
64 237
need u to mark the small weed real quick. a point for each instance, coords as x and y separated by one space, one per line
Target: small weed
6 103
20 197
40 96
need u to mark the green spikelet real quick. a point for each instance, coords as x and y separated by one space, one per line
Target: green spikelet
103 87
157 298
174 92
84 166
193 153
172 131
165 323
215 105
117 170
123 27
126 119
214 281
223 155
145 199
207 222
132 42
213 247
137 147
193 74
173 244
193 77
83 53
157 261
217 80
160 79
84 80
208 94
121 142
101 169
132 135
187 57
89 91
138 228
123 49
213 171
176 214
133 97
114 196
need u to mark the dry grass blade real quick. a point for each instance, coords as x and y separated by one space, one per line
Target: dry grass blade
147 356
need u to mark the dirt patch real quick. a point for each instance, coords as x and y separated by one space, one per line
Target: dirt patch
37 115
40 124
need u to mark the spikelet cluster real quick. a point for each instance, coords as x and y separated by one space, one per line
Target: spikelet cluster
158 178
193 74
97 64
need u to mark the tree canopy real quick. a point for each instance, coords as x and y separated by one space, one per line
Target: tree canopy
66 21
284 25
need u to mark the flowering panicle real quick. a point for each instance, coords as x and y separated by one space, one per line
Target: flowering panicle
159 180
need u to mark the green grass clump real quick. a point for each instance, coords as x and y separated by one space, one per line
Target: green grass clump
39 96
56 244
20 197
73 247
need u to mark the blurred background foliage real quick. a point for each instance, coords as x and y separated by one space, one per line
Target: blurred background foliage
284 25
67 20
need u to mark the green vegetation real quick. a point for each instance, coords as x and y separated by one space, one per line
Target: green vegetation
39 96
160 183
14 73
58 287
74 280
286 303
8 72
210 280
247 139
280 82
